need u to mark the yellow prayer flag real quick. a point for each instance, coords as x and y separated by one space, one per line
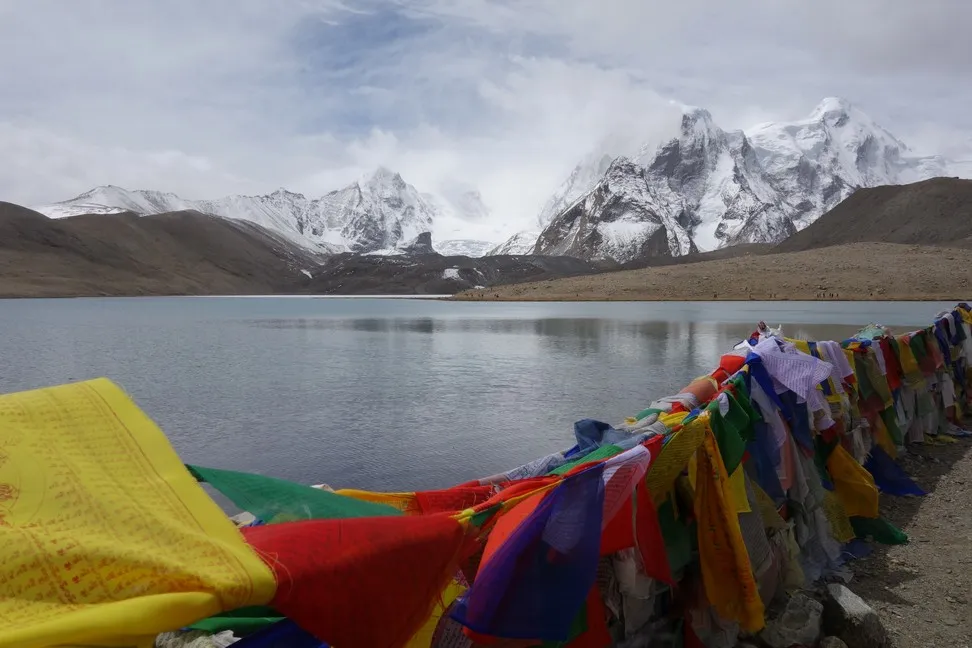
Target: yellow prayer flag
671 419
883 438
404 502
727 573
674 456
737 490
737 485
854 486
105 537
840 525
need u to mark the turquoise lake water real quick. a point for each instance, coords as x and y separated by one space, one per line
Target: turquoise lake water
391 394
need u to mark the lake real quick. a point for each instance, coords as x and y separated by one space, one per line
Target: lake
391 394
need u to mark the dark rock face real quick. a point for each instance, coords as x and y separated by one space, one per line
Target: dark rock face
420 245
618 220
434 274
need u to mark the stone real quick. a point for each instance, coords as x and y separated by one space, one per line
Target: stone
849 618
832 642
195 639
798 624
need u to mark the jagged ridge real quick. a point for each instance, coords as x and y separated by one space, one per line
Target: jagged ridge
712 188
371 214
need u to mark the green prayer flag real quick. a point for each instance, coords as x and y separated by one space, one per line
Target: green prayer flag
242 621
278 500
646 413
918 346
880 529
604 452
822 451
890 418
678 538
745 402
728 431
864 385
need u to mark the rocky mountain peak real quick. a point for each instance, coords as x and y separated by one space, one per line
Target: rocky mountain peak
697 122
584 176
835 111
713 188
287 194
619 220
385 179
377 212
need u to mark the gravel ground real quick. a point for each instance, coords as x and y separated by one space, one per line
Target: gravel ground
923 590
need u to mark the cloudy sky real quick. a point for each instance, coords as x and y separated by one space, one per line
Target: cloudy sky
211 97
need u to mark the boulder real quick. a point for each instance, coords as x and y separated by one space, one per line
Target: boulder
832 642
799 624
849 618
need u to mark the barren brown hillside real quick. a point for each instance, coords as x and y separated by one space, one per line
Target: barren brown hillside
866 271
931 212
123 254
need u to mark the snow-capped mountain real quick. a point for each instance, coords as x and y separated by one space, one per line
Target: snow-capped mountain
584 176
463 247
700 188
371 215
617 220
463 200
374 213
821 160
712 188
581 180
518 244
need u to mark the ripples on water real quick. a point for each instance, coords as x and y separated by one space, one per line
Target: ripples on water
390 394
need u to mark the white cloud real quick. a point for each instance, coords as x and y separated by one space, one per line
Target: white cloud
229 96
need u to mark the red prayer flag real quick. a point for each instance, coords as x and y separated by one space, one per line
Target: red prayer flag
452 500
361 581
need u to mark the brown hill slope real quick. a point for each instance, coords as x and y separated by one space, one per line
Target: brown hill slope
123 254
861 271
931 212
190 253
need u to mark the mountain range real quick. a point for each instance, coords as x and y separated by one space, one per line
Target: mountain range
703 189
373 214
708 188
897 242
191 253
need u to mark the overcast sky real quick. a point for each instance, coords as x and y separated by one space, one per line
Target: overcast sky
210 97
